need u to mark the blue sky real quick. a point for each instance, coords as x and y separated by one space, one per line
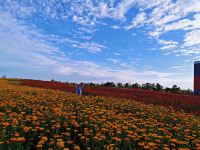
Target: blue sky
121 41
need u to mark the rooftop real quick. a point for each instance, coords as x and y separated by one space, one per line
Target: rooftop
197 62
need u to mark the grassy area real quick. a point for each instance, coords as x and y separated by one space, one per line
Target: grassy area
13 81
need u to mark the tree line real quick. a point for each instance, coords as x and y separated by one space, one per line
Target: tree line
146 86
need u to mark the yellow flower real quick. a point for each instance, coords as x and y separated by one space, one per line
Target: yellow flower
39 146
76 147
60 143
34 118
5 124
152 144
44 138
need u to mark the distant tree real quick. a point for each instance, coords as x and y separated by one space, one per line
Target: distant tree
119 85
175 89
167 89
146 86
126 85
52 80
188 91
109 84
153 86
135 85
159 87
91 84
112 84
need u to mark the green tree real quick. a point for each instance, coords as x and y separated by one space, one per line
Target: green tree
159 87
135 85
119 85
175 89
126 85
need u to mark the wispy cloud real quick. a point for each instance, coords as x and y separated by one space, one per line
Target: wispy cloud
42 51
137 21
39 55
92 47
168 45
167 15
115 27
192 38
123 7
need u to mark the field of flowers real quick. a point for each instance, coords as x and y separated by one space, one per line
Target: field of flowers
188 103
35 118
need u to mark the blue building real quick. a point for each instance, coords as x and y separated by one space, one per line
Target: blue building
197 77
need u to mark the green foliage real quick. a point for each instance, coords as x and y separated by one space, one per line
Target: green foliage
14 81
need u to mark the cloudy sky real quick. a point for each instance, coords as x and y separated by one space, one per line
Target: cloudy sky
112 40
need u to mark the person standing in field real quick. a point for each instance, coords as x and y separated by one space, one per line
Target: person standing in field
79 89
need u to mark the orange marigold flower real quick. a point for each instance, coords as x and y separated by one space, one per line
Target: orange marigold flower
76 147
127 139
39 146
16 134
14 121
61 143
51 142
73 117
141 143
20 139
34 118
174 140
44 138
56 136
5 124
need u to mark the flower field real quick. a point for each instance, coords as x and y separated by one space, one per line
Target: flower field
188 103
35 118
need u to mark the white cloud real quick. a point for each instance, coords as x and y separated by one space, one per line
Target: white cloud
165 42
36 50
91 47
138 20
168 45
184 24
123 7
37 55
192 38
115 27
167 15
181 68
18 9
103 9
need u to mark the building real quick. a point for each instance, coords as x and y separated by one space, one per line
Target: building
197 77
